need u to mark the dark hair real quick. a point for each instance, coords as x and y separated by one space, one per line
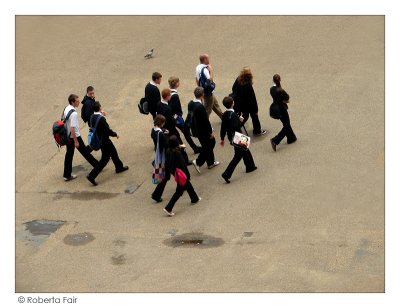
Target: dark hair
72 98
277 80
198 92
173 142
96 106
228 102
155 76
158 120
89 89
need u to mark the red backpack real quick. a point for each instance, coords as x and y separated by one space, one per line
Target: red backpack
180 177
60 131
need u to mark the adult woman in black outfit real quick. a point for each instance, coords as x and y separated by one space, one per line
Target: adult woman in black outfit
175 160
245 100
280 97
176 107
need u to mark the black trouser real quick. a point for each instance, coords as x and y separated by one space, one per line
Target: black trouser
254 119
108 151
157 194
189 139
70 155
179 192
239 154
207 152
287 130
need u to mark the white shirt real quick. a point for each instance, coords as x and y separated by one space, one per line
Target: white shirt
173 91
72 121
164 102
198 71
197 100
153 83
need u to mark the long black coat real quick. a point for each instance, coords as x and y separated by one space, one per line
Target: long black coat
244 97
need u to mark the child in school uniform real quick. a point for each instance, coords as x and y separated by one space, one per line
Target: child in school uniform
175 160
231 123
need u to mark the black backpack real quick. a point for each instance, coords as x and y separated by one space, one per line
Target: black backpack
205 83
143 106
190 123
87 110
274 111
94 139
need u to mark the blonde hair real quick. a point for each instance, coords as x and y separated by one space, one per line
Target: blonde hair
245 76
173 81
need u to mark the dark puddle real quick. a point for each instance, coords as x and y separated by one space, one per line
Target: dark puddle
37 231
118 260
199 240
119 243
43 227
79 239
248 234
85 195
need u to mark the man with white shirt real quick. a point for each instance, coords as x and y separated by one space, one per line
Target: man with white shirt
152 93
204 130
210 102
75 140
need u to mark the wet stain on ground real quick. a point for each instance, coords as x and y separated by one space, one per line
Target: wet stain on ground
85 195
78 168
79 239
118 260
131 188
248 234
119 243
37 231
43 227
198 240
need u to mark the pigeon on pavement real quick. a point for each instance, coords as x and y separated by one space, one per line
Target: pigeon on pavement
149 54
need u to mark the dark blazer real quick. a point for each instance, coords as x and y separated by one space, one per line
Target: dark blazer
103 129
200 116
87 108
244 97
175 104
162 139
166 111
230 124
152 95
279 96
174 159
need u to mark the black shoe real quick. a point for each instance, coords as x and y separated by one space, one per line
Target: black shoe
292 141
197 150
273 145
226 179
251 170
190 162
124 168
156 200
91 181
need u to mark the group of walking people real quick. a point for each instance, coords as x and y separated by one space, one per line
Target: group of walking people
168 119
166 109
